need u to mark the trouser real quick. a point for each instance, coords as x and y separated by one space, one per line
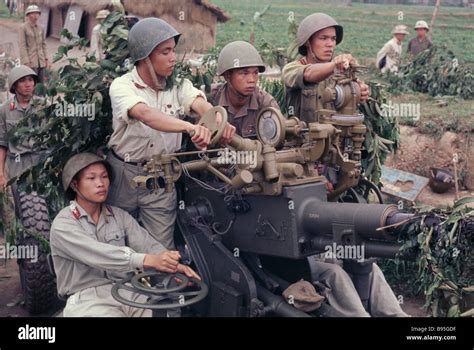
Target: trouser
16 164
99 302
7 210
343 296
41 71
155 210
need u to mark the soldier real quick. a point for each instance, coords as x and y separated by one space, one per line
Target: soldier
96 37
147 120
240 63
421 42
33 51
93 244
318 35
389 57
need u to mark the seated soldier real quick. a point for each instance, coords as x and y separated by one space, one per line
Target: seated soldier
93 244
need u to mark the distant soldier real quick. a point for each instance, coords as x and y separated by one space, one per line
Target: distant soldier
389 57
97 44
33 51
421 42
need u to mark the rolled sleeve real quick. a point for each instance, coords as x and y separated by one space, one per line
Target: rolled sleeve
187 93
123 98
293 75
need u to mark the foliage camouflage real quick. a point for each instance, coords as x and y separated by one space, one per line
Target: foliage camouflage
436 72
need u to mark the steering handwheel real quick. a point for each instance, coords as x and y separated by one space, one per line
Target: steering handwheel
166 290
209 120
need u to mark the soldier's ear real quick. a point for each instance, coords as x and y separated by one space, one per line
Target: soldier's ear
74 185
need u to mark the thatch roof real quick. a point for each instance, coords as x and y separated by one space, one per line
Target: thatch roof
87 5
147 8
143 8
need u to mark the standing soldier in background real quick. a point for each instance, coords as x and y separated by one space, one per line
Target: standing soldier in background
389 57
421 42
96 38
33 51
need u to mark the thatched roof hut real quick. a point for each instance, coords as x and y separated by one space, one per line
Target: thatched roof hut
195 19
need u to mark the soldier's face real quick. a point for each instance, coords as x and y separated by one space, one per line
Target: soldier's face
323 44
25 86
244 80
400 37
163 58
33 17
93 183
421 32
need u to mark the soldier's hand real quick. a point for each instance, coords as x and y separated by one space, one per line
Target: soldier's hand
189 272
166 261
344 61
201 137
229 132
3 183
364 91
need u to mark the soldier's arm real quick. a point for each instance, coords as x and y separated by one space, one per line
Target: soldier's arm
70 241
45 50
3 144
24 58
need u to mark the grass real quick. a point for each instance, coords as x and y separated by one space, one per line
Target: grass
367 26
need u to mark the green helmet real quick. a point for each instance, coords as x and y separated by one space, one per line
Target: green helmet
78 162
20 72
312 24
32 9
239 54
147 34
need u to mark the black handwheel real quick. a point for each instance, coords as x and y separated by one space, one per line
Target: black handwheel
164 290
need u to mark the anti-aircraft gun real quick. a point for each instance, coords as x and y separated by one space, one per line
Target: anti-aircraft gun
257 212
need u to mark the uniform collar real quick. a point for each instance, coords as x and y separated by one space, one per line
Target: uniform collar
79 212
252 103
138 81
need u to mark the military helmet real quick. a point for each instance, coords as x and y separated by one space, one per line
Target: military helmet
32 9
312 24
146 35
20 72
78 162
400 29
422 24
239 54
102 14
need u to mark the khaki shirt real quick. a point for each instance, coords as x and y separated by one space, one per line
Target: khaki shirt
300 95
133 140
10 115
415 46
88 255
245 118
33 51
96 43
392 50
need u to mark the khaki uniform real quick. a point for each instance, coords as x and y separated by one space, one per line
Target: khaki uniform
19 157
415 46
32 45
88 257
245 118
300 95
392 51
133 143
97 43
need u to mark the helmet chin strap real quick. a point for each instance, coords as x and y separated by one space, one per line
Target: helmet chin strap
158 82
235 92
79 194
316 58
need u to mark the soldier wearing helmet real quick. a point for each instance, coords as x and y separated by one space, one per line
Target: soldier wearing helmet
389 57
93 244
240 63
16 158
317 36
148 119
421 42
32 45
96 37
